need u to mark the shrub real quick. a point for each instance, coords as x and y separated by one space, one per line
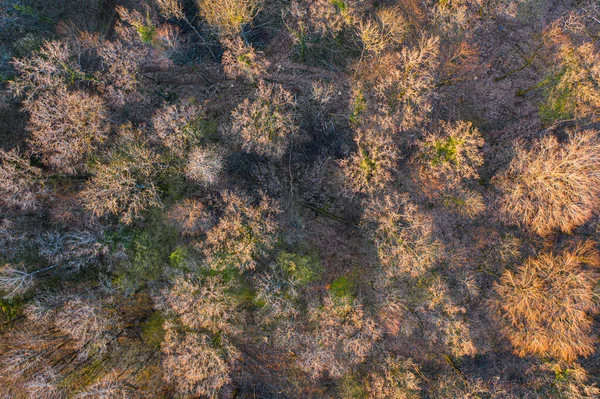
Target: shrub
452 153
553 185
204 166
299 269
547 302
229 16
358 106
342 288
267 123
124 185
240 60
66 127
243 234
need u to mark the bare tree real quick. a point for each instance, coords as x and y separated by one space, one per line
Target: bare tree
552 185
66 127
204 166
372 166
266 123
244 233
124 185
179 127
452 153
194 365
403 235
547 303
204 303
21 185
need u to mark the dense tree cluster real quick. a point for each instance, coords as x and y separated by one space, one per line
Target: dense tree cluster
299 199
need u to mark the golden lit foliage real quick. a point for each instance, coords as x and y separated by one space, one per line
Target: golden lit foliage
244 233
547 303
229 16
266 123
553 185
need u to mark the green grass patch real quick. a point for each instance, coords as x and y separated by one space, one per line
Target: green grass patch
342 288
351 387
558 103
445 151
149 248
146 32
367 164
358 107
301 268
152 330
10 308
